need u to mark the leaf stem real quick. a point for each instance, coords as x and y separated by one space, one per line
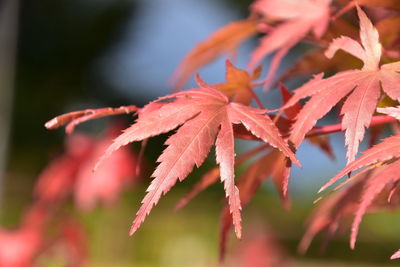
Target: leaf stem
376 120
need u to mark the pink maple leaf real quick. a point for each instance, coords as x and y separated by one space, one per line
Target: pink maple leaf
72 173
363 88
205 115
299 18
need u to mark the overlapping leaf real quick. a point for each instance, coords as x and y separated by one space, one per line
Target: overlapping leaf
31 242
362 87
205 115
368 191
225 40
299 18
385 158
271 165
237 86
72 173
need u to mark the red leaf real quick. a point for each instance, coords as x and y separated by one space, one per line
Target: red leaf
225 40
57 180
108 181
225 155
300 18
373 187
237 86
291 112
19 248
388 149
363 87
272 165
205 114
395 255
391 111
331 211
72 173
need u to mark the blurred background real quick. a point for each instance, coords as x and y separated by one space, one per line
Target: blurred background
65 55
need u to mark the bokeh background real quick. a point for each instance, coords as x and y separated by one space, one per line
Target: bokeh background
64 55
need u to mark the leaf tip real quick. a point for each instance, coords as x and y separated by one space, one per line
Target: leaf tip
238 232
52 124
132 230
228 63
396 255
200 81
321 189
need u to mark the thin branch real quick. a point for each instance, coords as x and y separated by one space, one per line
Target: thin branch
376 120
323 130
345 9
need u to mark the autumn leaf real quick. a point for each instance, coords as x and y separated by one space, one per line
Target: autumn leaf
72 173
225 40
271 165
57 179
387 175
21 246
328 215
31 241
391 111
388 149
395 255
361 86
367 191
205 115
282 181
385 158
238 87
106 184
299 18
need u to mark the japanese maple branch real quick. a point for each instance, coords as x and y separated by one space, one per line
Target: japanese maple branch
376 120
328 129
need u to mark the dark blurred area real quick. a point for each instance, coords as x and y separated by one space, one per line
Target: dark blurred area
74 54
59 42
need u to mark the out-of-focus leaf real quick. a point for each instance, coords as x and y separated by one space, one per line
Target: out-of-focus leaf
225 40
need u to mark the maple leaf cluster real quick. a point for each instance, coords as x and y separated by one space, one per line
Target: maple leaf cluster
364 77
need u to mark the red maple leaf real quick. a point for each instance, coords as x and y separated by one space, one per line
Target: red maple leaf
205 115
300 17
223 41
72 173
368 191
363 88
385 157
28 244
395 255
20 247
106 184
